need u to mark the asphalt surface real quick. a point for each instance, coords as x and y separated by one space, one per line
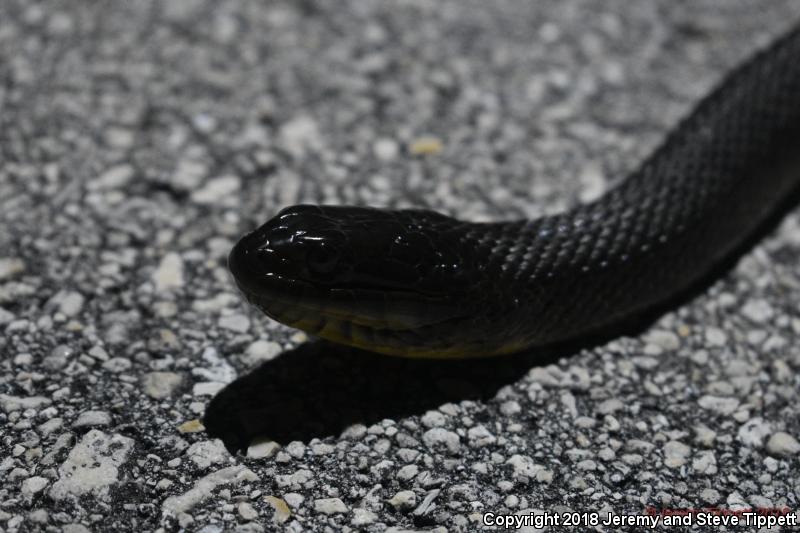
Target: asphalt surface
139 392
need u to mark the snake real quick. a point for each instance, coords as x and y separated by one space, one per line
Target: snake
418 283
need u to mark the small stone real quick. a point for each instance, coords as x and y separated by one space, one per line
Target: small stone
607 454
294 499
261 351
407 472
75 528
385 149
160 385
247 511
207 452
216 190
98 353
330 506
58 358
759 311
117 365
51 425
433 419
510 407
69 303
363 517
33 486
5 316
736 502
632 459
262 449
610 406
207 388
704 436
524 467
10 267
113 178
192 426
783 444
169 274
675 454
323 448
710 495
92 419
666 340
403 500
425 146
478 436
720 405
716 337
282 512
754 431
238 323
300 135
705 463
436 437
12 403
296 480
296 449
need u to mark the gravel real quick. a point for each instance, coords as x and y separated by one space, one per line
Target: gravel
138 392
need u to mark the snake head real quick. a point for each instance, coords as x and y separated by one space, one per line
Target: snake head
352 273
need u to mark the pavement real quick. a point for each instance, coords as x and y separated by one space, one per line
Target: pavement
138 391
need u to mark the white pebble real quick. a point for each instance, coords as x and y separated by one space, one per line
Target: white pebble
675 453
92 419
723 406
160 385
754 431
207 452
666 340
169 274
758 311
385 149
261 351
262 449
439 436
433 419
32 486
113 178
10 267
237 323
716 337
217 190
405 499
781 443
247 511
330 506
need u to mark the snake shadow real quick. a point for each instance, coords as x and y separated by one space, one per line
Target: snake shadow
318 389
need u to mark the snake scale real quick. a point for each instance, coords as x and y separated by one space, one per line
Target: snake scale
421 284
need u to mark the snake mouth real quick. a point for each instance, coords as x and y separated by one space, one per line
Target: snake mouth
299 303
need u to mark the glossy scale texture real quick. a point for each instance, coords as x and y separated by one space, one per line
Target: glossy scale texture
418 283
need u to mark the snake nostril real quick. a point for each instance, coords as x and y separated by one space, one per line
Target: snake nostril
247 260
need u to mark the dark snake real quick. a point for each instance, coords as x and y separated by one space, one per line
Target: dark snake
422 284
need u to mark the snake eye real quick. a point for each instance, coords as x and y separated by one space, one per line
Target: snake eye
322 259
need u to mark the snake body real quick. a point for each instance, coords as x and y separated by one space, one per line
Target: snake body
419 283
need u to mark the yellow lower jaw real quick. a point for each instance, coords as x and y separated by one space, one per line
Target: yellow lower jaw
334 332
